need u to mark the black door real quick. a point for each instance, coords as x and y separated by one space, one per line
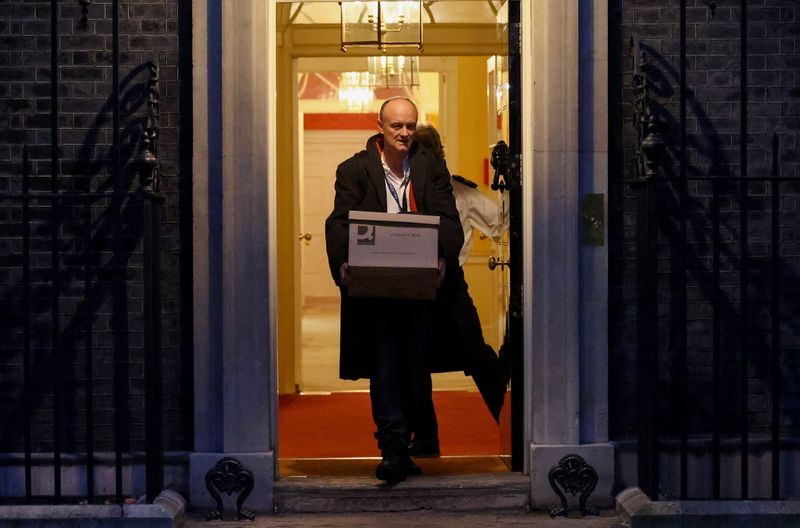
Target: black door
507 172
514 319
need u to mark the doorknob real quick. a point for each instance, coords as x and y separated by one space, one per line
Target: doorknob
304 236
495 262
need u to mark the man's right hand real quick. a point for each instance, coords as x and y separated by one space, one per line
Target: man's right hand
344 276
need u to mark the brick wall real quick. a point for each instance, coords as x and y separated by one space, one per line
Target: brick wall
713 149
149 32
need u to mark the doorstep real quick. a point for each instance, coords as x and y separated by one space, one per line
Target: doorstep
484 492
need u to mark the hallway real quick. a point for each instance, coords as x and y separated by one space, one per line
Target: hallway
312 441
319 371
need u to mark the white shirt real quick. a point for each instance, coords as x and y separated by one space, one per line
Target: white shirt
398 183
477 210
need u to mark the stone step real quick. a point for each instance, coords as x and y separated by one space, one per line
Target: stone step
487 492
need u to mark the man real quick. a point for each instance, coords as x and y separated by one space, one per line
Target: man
390 341
458 312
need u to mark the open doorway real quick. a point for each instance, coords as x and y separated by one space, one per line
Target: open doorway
457 93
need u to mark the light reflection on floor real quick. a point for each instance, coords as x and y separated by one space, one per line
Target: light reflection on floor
365 467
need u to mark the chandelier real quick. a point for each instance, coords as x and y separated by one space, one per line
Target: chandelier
393 71
381 23
355 91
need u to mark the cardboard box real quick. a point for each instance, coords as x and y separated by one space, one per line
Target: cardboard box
393 255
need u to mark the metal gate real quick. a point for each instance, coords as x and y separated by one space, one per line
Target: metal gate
713 292
83 302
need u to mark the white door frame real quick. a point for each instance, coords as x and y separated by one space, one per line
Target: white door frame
234 181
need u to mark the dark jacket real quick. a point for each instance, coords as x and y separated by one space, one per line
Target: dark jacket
360 185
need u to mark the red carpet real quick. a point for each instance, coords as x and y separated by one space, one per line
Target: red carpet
340 425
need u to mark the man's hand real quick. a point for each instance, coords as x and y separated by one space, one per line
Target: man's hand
440 272
344 276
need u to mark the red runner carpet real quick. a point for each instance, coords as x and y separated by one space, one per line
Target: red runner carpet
340 425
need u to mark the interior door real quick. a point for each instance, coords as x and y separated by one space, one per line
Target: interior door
322 150
496 264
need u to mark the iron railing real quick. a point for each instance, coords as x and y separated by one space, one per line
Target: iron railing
710 277
77 254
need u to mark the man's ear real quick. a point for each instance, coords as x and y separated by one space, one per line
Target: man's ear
380 125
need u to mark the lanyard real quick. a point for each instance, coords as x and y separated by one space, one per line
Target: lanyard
404 187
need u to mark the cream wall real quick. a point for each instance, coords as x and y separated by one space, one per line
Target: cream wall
472 115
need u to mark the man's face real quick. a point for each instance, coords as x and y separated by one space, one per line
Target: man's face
398 125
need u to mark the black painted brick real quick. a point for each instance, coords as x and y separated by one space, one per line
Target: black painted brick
84 88
713 110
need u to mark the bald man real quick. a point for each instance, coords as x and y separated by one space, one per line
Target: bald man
390 341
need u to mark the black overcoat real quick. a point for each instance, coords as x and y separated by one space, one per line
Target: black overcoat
360 186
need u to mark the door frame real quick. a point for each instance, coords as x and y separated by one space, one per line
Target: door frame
564 130
324 42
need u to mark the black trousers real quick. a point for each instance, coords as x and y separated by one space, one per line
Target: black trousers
401 340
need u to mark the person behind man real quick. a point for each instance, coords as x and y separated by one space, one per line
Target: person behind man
390 341
489 371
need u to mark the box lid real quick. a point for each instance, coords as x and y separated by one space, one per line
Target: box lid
394 218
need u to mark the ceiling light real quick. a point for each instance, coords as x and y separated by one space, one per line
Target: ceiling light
397 71
355 92
381 23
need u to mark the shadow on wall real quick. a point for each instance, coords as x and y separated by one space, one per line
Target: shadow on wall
708 152
102 231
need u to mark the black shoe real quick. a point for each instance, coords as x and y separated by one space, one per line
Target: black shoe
424 449
392 471
393 467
